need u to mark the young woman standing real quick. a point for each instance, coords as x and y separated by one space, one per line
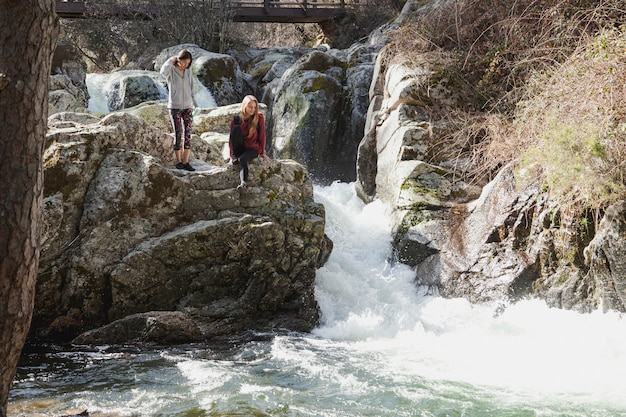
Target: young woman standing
181 102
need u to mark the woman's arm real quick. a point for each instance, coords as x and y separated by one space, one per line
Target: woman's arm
167 67
193 94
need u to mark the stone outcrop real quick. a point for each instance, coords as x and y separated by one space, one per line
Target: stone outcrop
220 73
485 242
65 96
495 243
68 89
317 103
126 234
131 88
316 99
606 257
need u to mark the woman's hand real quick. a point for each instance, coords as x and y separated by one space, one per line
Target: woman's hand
265 157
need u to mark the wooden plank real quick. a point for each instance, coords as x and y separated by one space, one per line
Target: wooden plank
283 11
285 15
70 9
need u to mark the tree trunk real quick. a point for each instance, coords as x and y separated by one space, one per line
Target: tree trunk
28 34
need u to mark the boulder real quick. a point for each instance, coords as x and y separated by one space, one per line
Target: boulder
218 72
488 243
125 233
67 60
130 88
68 87
161 327
66 96
155 113
264 67
311 118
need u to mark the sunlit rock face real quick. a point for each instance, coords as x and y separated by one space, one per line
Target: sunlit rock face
126 233
489 243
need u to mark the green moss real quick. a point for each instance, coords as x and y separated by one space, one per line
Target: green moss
562 279
573 161
55 180
154 114
320 83
415 186
412 218
299 176
317 84
160 184
260 71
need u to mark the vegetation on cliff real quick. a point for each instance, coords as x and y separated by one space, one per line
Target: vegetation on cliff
542 86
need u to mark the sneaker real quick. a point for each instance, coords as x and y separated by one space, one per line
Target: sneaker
235 161
188 167
180 165
243 186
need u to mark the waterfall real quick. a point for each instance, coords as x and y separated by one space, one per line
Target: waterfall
101 86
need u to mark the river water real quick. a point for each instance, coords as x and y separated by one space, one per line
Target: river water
383 348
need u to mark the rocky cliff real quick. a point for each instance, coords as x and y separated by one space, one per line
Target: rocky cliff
491 242
125 233
496 243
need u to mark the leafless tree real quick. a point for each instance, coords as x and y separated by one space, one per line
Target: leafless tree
199 21
28 35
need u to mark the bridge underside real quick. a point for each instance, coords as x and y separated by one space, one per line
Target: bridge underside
76 10
285 15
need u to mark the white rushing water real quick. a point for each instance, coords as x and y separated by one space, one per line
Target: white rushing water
99 85
529 352
382 349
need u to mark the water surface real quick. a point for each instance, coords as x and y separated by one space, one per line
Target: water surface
383 348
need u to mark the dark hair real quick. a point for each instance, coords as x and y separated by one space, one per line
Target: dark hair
184 54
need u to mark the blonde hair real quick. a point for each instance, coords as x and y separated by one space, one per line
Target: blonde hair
254 120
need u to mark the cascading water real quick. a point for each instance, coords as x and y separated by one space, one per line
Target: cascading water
382 349
101 89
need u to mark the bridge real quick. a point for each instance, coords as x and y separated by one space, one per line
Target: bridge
279 11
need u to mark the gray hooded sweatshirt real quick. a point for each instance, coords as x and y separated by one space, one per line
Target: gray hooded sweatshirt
180 86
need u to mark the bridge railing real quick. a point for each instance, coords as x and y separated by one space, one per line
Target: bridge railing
340 4
267 8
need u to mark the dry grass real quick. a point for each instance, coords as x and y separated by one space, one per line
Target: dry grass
574 127
542 83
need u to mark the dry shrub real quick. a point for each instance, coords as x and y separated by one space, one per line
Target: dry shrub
574 127
504 53
267 35
362 18
499 44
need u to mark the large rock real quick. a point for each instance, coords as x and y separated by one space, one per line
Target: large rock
218 72
395 160
68 87
66 96
125 233
606 257
495 243
318 109
160 327
264 67
132 87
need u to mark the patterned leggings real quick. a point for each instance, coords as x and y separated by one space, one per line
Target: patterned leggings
179 118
